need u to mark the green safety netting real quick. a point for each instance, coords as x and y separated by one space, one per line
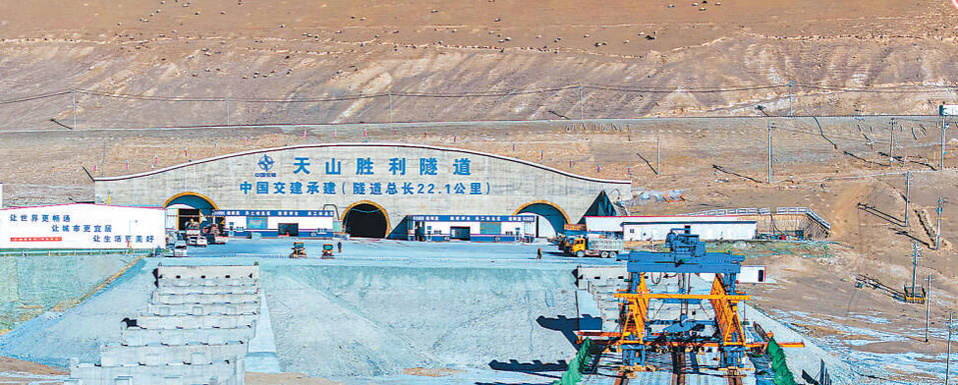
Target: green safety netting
579 363
783 376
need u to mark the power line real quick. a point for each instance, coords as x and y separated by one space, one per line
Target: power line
590 86
35 97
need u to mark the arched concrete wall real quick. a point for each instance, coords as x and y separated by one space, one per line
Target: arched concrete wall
548 210
194 200
436 180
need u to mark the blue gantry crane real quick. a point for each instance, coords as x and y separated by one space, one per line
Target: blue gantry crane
640 332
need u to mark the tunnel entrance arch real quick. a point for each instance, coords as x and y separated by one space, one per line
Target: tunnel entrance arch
548 211
365 219
183 208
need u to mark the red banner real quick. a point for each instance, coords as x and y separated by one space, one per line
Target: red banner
36 239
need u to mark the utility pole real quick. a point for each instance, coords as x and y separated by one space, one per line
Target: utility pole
790 84
581 107
927 306
891 141
658 166
916 253
944 126
768 149
74 93
227 99
390 106
938 229
907 196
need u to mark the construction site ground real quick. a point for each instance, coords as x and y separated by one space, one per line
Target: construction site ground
153 78
478 308
705 163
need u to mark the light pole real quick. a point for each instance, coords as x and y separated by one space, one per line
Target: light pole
790 84
948 357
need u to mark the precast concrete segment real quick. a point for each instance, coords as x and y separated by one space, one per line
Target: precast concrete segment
231 308
221 321
201 298
409 179
228 282
226 290
156 354
171 274
159 345
226 372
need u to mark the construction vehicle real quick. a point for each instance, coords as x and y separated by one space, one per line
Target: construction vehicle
179 248
564 239
327 251
193 233
584 246
217 230
299 250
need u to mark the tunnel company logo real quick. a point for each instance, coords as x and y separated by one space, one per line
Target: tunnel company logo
266 163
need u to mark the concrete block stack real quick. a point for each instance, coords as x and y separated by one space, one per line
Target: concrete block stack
195 330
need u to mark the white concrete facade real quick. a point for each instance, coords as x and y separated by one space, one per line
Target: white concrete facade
707 228
399 179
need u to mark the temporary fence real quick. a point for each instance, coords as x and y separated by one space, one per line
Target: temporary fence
783 376
580 364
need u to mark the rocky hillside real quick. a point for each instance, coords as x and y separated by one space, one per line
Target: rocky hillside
156 63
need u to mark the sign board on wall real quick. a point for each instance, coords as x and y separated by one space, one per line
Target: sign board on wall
948 110
82 226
